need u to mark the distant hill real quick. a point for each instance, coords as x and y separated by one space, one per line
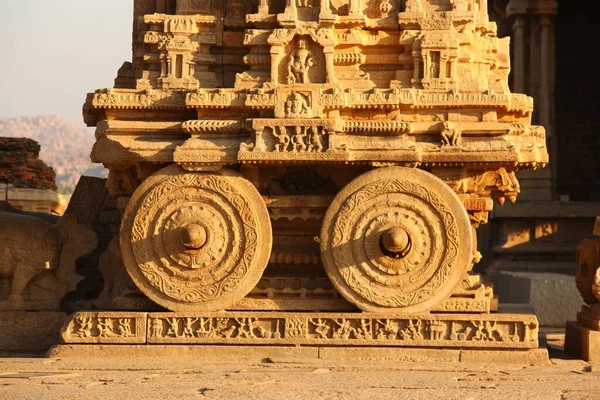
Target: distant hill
66 147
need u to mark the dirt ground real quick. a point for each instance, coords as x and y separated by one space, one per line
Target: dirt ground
189 378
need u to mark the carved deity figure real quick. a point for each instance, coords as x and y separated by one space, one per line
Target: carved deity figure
412 331
297 106
301 60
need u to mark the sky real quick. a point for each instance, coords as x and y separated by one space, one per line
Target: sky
53 52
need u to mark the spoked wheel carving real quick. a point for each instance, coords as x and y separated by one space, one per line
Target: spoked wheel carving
396 240
196 241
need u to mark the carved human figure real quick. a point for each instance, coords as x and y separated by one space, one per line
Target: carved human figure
301 60
345 330
315 140
364 331
173 327
124 327
283 140
298 139
156 327
388 330
188 330
297 106
321 328
85 326
105 328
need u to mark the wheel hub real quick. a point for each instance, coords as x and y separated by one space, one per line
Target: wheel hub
395 242
193 236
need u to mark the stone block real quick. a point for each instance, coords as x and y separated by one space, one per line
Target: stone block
554 297
582 342
30 332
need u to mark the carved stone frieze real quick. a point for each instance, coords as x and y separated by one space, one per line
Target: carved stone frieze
504 331
108 327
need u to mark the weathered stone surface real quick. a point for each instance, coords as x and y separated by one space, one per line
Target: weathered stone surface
22 331
554 297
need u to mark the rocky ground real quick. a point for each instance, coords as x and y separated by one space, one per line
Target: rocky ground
190 378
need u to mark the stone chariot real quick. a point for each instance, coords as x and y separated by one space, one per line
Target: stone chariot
307 156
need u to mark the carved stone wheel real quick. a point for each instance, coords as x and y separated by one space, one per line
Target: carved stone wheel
396 240
196 241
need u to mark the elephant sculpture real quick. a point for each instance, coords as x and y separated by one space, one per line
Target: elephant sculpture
38 257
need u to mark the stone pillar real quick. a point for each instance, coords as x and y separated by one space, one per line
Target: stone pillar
329 65
533 74
519 55
276 55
